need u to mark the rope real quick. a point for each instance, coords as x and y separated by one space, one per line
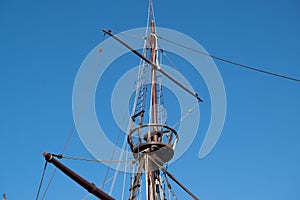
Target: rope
112 156
115 147
76 118
41 182
174 179
118 166
170 187
49 183
107 181
124 178
169 59
94 160
230 62
185 115
223 59
139 192
115 31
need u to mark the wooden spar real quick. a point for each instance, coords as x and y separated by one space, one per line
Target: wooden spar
153 48
152 40
175 180
180 184
90 187
153 65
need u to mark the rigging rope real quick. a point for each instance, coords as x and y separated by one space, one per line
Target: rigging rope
162 168
131 35
112 156
222 59
229 61
41 182
106 182
193 106
118 166
82 102
124 178
95 160
169 59
170 187
120 157
185 115
49 183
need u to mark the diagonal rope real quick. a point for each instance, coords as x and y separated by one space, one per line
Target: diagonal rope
112 156
124 178
163 169
49 183
185 115
82 102
41 182
225 60
118 166
170 187
229 61
115 148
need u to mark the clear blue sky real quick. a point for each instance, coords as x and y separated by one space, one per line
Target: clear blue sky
42 44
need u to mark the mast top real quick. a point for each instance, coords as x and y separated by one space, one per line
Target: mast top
151 17
150 10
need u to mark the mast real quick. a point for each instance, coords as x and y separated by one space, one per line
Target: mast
153 143
152 42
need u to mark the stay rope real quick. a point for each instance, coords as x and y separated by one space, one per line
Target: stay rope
72 130
238 64
41 182
229 61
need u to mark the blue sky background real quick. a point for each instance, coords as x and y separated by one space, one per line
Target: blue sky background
42 44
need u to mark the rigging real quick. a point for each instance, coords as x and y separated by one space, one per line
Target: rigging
229 61
238 64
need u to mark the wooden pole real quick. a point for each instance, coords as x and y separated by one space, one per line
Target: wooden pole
90 187
153 65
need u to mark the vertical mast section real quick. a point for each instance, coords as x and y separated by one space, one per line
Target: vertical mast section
152 41
153 57
152 144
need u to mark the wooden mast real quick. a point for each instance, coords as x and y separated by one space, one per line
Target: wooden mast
152 144
152 41
156 141
150 175
153 49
